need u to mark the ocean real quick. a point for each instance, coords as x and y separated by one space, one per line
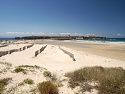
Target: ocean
7 38
108 40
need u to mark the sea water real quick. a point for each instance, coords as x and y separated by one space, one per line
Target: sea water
7 38
108 40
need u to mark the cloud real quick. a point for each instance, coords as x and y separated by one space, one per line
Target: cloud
119 34
65 33
24 33
52 33
90 34
75 33
15 33
36 33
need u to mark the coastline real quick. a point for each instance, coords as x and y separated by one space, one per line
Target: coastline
54 60
106 50
110 50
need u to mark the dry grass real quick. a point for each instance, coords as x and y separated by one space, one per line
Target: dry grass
28 81
7 64
3 83
47 87
29 66
47 74
108 80
19 69
6 68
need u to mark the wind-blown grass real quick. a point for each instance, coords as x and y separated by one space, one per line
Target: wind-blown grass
47 87
19 69
3 83
47 74
7 64
108 80
29 66
6 67
28 81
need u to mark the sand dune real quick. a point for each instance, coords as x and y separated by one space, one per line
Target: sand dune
52 59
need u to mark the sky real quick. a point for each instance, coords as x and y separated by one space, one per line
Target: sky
62 17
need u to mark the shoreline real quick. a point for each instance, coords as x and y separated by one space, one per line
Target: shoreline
52 59
110 50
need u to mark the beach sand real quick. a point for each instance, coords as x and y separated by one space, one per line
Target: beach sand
53 59
110 50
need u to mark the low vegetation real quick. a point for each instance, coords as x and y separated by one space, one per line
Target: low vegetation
29 66
105 80
6 67
47 87
19 69
21 84
3 83
28 81
54 77
47 74
34 90
7 64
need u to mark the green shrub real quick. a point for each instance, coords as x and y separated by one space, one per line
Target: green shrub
3 83
108 80
21 84
47 74
19 69
47 87
28 81
54 77
33 90
30 66
7 64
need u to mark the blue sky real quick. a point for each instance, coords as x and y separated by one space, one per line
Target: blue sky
62 17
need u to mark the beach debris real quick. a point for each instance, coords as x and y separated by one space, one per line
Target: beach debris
20 49
24 47
30 46
36 53
2 53
40 50
3 45
68 53
14 50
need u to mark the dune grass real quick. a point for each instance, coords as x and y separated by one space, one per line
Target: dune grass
28 81
7 64
29 66
19 69
47 74
6 67
107 80
48 87
3 83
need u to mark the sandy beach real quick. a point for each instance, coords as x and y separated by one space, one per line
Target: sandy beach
110 50
53 59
